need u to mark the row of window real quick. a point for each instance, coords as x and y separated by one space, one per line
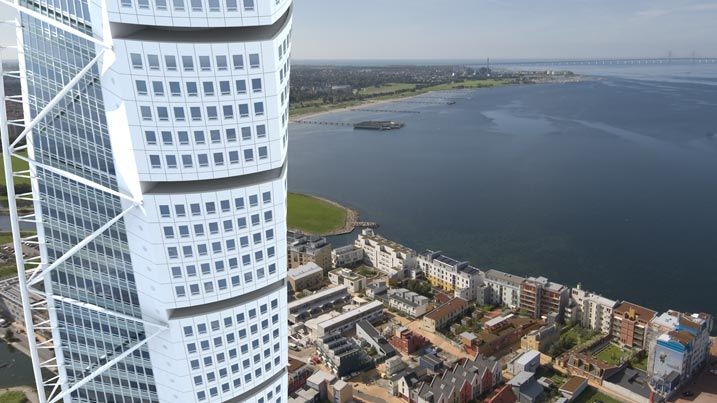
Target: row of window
214 228
204 63
210 207
209 88
194 5
188 251
183 137
220 266
202 160
195 112
222 284
237 382
228 322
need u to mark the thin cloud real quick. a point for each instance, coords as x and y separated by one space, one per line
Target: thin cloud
661 12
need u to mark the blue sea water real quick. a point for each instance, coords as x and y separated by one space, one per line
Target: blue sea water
610 182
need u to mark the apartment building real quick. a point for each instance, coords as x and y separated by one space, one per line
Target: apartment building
317 303
341 355
460 278
346 256
539 296
679 350
309 276
444 315
408 302
504 288
303 249
386 256
591 310
354 281
346 321
630 323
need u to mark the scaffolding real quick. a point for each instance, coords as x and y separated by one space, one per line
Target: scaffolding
32 271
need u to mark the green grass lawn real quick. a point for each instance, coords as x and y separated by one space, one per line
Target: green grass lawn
12 397
612 354
592 395
311 215
17 165
640 363
468 84
386 88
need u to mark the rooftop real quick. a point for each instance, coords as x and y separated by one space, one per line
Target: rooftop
370 235
634 312
528 356
304 270
573 384
352 314
318 296
447 308
504 277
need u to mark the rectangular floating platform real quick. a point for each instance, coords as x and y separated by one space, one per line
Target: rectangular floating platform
378 125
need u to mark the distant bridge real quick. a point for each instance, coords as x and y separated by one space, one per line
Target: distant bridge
614 61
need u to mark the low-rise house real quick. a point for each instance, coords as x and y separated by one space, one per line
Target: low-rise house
402 383
504 394
343 392
431 363
465 382
573 387
541 339
444 315
354 281
346 321
309 276
582 362
303 249
408 302
591 310
346 256
321 381
529 361
317 303
369 334
500 333
342 355
630 323
504 288
386 256
408 342
393 365
377 290
298 373
526 387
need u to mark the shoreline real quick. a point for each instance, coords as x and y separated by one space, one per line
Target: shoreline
350 224
332 108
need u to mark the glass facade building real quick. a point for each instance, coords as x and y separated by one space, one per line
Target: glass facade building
187 115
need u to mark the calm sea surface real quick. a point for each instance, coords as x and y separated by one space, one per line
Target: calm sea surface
611 182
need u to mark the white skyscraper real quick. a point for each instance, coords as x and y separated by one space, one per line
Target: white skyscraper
156 133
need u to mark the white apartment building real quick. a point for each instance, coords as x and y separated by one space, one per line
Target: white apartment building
386 256
464 280
504 288
591 310
346 256
354 281
169 153
408 302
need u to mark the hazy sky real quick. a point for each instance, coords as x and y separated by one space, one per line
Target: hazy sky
476 29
